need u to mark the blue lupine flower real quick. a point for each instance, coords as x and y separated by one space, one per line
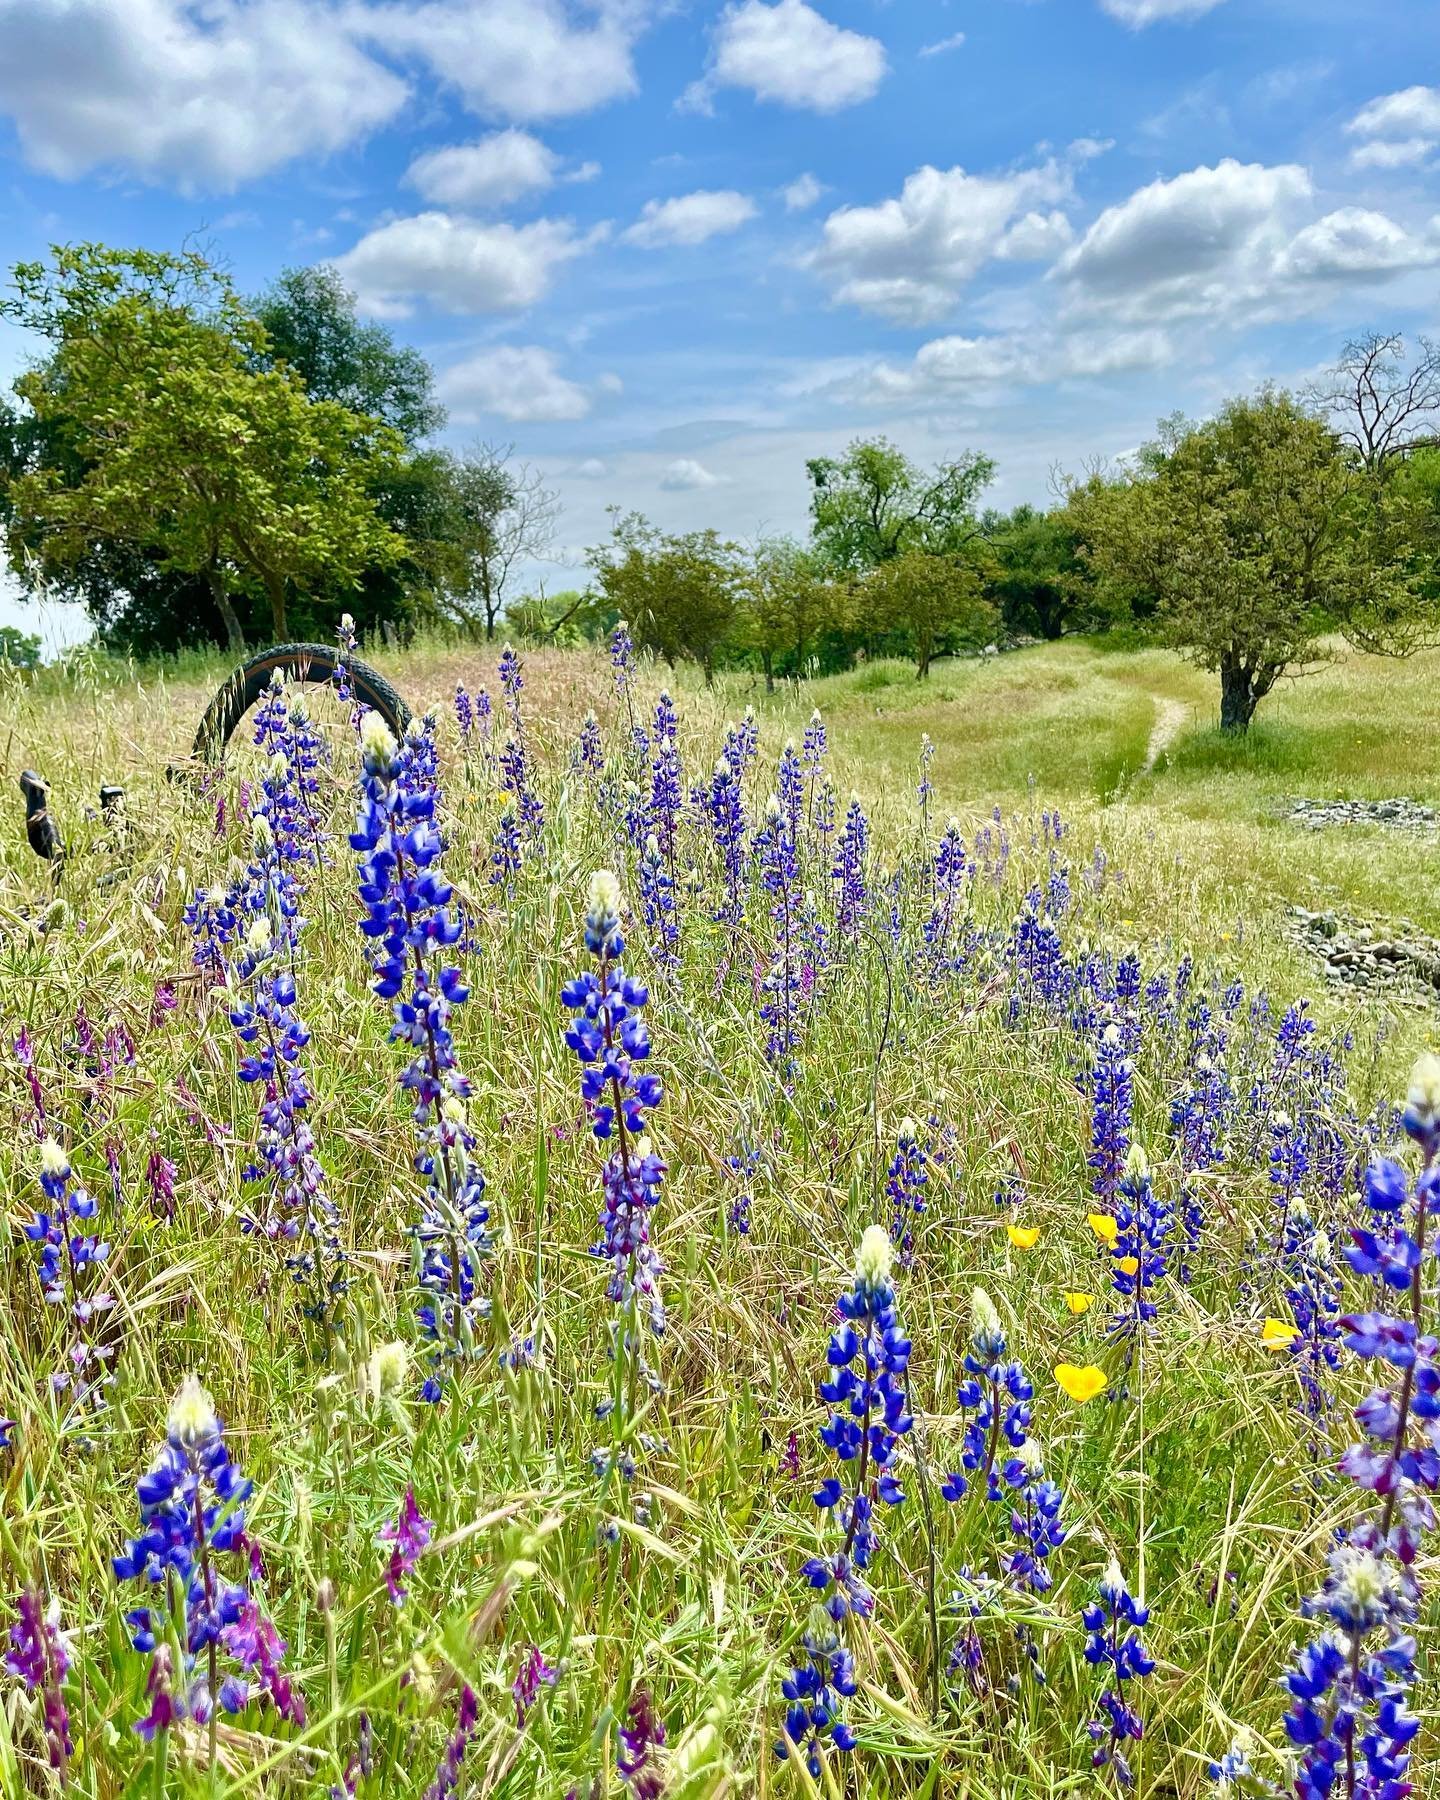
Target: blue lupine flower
995 1396
72 1260
850 870
790 791
782 982
1138 1256
589 753
610 1037
192 1516
725 810
1112 1087
741 1168
507 853
210 917
905 1186
812 753
868 1358
1114 1644
410 924
464 713
1034 1523
951 878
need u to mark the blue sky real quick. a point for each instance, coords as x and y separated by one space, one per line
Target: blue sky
669 251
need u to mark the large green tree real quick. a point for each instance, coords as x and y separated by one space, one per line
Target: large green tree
1036 574
680 593
185 446
934 603
786 603
1258 534
873 503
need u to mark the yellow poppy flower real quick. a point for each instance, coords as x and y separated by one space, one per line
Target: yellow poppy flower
1079 1303
1081 1382
1023 1237
1275 1334
1104 1227
1127 1265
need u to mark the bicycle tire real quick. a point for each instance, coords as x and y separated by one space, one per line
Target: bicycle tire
297 662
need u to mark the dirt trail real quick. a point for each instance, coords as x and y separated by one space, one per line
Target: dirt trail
1170 716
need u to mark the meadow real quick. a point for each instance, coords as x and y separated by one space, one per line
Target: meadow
973 1080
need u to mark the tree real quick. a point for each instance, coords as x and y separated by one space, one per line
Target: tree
1038 577
185 448
786 603
1258 534
310 325
936 603
505 517
1381 409
680 594
18 649
873 503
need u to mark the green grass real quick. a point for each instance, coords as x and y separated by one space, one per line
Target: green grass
1201 1482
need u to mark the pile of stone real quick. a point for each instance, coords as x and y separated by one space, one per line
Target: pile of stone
1366 956
1401 813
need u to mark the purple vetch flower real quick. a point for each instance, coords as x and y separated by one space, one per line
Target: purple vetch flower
408 1535
39 1657
160 1175
447 1776
642 1734
533 1674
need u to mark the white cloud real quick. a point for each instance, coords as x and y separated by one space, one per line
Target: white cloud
909 256
1356 243
592 469
1198 243
519 382
690 218
953 42
1139 13
685 474
789 54
1400 128
524 60
202 96
458 264
1379 154
949 368
801 193
493 172
1036 238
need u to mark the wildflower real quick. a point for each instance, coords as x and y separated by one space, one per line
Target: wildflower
924 790
868 1358
1081 1382
849 873
1138 1253
39 1657
72 1260
1076 1302
408 1535
192 1516
905 1186
642 1734
725 810
533 1674
998 1393
447 1776
1105 1228
1275 1334
609 1036
411 924
1034 1520
782 983
1113 1089
1023 1237
951 875
1114 1644
741 1169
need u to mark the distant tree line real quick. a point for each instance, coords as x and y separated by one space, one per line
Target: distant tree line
191 465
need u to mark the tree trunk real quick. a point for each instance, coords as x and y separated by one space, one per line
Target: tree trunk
1238 698
225 606
767 662
275 588
923 653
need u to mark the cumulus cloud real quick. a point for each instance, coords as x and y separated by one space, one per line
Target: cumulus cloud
690 218
1355 243
1397 129
791 55
910 256
523 60
461 265
1036 238
1139 13
685 474
801 193
1192 244
203 96
519 382
947 368
497 170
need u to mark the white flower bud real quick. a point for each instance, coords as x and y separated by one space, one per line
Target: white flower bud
876 1257
192 1413
376 739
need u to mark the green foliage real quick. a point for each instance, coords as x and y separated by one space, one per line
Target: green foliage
1037 575
873 503
787 607
18 649
681 593
1257 534
188 451
502 515
935 603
